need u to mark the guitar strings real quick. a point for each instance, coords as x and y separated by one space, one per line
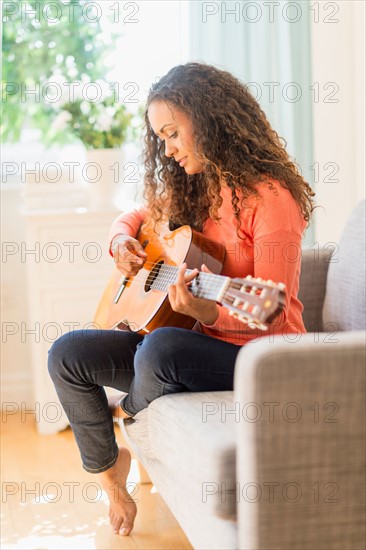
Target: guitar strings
169 271
171 278
208 293
174 270
167 274
209 285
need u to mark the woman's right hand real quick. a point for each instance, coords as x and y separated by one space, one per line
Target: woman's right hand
128 255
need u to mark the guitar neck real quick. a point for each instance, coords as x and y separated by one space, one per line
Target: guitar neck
206 285
252 300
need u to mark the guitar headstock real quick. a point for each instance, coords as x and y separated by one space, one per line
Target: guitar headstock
254 301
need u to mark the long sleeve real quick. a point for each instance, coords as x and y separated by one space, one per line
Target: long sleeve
273 228
127 224
267 245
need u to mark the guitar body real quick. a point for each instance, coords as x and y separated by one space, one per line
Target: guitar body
142 309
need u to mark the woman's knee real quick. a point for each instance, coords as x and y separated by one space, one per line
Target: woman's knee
157 351
59 354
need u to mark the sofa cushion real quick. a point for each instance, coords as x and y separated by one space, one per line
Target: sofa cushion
193 436
344 304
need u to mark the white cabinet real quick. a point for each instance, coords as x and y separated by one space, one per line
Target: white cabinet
67 265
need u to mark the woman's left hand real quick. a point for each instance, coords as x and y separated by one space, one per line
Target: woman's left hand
182 301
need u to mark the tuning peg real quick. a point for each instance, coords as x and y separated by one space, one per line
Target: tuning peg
257 324
243 319
236 315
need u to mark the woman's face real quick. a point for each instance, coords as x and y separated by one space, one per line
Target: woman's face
175 129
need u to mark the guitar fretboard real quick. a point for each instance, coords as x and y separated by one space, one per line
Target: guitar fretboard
205 285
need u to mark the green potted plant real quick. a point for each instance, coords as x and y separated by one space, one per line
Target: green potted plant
102 125
38 50
50 53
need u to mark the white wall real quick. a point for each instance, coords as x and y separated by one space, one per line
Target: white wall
16 380
338 55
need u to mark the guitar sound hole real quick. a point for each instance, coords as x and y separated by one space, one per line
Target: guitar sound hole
153 275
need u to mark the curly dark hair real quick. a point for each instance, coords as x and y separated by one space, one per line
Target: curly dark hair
233 139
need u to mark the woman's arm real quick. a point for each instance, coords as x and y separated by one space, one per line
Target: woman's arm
275 263
274 226
126 224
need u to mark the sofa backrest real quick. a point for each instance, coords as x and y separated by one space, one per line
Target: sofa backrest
345 303
313 280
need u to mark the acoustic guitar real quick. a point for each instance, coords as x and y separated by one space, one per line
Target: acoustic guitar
140 303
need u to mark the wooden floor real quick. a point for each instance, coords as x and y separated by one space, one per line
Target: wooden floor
50 502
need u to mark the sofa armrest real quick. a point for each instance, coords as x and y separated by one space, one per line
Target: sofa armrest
301 443
313 279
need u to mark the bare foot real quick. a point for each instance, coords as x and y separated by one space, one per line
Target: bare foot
122 510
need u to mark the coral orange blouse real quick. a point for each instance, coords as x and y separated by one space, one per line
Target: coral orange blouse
273 227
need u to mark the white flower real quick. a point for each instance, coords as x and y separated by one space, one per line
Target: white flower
104 89
61 121
104 122
57 91
85 107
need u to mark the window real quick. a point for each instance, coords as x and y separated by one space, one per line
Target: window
152 38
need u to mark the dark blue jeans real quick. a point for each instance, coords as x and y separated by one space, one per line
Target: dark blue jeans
168 360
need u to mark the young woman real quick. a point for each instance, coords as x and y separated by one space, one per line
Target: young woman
212 162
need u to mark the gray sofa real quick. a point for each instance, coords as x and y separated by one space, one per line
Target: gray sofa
279 463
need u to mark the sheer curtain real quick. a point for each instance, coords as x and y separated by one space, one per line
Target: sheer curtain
267 46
